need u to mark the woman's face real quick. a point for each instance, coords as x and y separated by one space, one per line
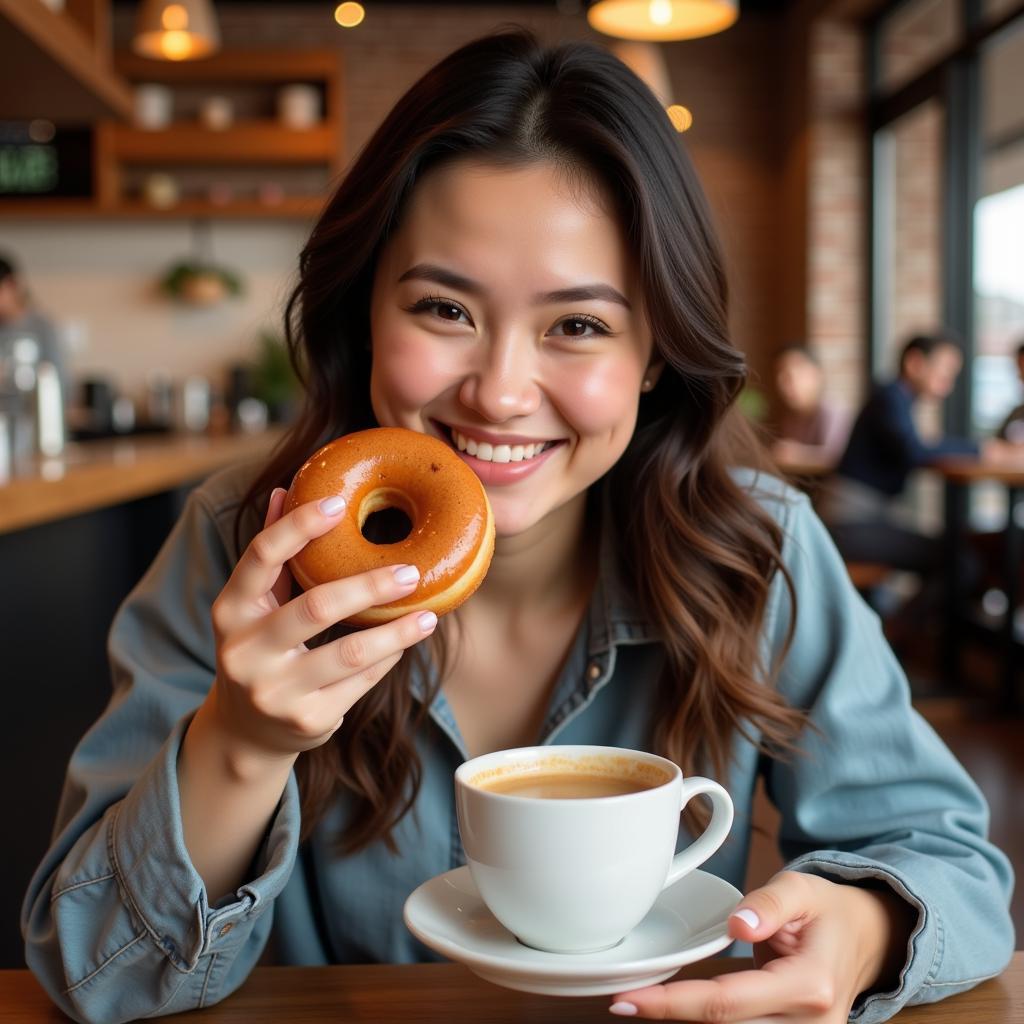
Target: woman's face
798 381
538 392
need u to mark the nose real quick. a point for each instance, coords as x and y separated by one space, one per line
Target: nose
505 384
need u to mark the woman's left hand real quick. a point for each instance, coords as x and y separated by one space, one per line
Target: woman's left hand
817 946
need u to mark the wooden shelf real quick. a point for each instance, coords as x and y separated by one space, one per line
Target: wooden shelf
290 208
233 65
123 153
255 142
50 68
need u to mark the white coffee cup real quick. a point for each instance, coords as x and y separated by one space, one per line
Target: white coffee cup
575 875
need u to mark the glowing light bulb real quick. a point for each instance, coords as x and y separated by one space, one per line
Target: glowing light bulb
680 117
176 45
349 14
660 12
174 17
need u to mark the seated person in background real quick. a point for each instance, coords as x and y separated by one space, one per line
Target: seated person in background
20 319
1012 428
859 504
810 428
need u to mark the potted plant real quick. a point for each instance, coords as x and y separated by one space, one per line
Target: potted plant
199 283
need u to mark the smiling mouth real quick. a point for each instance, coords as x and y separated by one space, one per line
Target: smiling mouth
487 452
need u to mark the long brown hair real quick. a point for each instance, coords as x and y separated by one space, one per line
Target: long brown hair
700 551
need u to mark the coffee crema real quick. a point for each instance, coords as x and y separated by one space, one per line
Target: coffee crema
562 785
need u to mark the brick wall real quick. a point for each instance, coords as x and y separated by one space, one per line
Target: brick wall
914 299
836 197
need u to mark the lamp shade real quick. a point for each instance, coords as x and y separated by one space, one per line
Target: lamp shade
176 29
661 20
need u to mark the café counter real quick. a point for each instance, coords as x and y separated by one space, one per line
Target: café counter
96 474
76 533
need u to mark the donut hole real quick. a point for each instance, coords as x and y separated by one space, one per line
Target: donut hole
386 517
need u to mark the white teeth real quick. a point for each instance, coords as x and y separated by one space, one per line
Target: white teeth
487 452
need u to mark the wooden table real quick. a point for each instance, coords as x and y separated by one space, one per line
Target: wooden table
450 994
960 473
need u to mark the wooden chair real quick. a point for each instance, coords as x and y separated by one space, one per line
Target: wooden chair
867 575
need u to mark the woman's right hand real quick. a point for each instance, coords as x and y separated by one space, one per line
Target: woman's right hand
273 697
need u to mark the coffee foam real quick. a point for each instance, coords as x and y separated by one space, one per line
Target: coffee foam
610 766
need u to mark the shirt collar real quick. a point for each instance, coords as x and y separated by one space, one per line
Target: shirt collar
615 616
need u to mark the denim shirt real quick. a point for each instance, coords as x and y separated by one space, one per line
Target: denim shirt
117 923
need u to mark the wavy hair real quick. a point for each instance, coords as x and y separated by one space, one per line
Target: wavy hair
698 549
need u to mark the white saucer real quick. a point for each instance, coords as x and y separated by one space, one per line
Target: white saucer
687 923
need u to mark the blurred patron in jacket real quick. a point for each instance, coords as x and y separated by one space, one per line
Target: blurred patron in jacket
21 322
861 502
810 429
1012 428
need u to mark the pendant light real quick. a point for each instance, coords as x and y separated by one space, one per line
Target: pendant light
661 20
176 29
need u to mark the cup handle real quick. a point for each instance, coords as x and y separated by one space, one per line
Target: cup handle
713 836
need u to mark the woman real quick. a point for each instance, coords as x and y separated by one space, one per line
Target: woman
810 429
521 255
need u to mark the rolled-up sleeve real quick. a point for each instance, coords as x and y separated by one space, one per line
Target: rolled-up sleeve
874 796
116 920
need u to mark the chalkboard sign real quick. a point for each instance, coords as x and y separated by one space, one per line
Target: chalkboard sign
38 159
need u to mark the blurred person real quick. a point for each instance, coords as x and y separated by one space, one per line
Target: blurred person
861 503
1012 428
20 319
810 428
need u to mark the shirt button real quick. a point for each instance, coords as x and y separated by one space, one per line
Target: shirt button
594 671
226 929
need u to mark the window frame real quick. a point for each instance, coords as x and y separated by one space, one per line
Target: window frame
954 81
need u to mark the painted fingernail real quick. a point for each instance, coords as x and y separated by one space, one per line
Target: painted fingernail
333 505
748 916
406 574
427 621
623 1009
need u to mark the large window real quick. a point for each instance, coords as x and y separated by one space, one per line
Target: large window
947 117
908 222
914 35
999 232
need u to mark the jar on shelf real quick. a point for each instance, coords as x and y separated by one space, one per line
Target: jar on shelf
299 106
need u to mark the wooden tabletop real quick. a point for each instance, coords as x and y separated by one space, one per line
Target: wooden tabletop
96 474
450 994
967 469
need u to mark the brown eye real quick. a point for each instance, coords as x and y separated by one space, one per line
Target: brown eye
576 327
440 308
444 308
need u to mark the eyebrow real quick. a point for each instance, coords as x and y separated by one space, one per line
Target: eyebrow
579 293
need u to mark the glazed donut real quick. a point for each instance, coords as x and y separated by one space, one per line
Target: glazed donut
452 537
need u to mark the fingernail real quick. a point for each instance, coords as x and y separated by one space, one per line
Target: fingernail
333 505
623 1009
427 621
406 574
747 915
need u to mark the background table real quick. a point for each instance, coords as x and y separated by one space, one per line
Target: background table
959 473
450 994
